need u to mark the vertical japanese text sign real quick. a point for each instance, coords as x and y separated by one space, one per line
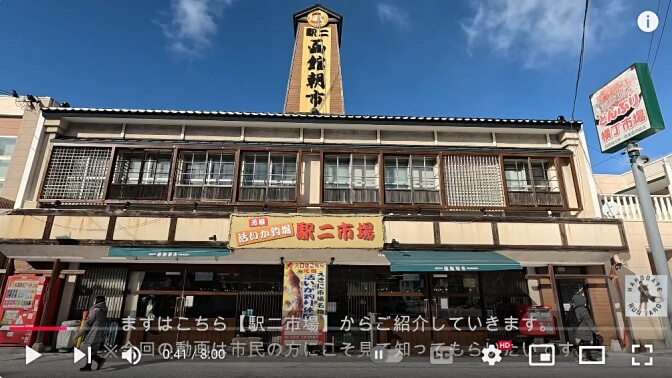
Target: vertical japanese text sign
626 109
304 302
315 73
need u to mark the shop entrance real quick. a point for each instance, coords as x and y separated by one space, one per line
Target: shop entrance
567 288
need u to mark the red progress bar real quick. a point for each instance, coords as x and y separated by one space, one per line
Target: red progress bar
32 328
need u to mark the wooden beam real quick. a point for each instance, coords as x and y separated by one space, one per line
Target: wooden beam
8 271
50 293
556 302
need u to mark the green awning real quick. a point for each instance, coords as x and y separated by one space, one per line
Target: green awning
167 252
444 261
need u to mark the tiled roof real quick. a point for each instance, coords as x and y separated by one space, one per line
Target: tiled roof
54 112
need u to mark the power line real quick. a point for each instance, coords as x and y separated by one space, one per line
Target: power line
662 34
648 56
583 48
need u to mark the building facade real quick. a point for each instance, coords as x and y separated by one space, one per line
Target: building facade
187 214
619 200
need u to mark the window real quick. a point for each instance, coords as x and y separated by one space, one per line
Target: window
7 146
6 150
141 174
412 180
268 177
351 178
532 182
204 175
76 173
531 175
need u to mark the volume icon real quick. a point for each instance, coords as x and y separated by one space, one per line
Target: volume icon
132 355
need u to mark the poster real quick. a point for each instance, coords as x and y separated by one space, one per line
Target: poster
304 301
645 296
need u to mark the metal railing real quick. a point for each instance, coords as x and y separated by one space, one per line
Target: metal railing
626 207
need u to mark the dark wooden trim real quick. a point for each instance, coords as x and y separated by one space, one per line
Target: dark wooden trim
111 225
236 176
321 200
442 181
118 243
299 175
381 179
43 176
495 233
577 189
567 276
561 180
49 298
556 302
9 271
409 247
505 187
389 217
563 234
172 228
179 292
48 225
109 172
173 174
624 237
437 232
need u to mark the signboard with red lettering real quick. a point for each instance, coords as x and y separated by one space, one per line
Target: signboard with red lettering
626 109
306 231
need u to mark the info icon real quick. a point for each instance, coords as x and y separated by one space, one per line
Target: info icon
441 355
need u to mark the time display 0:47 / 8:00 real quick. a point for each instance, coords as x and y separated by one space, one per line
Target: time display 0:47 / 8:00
203 354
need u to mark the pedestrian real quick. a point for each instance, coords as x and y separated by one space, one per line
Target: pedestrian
92 333
583 326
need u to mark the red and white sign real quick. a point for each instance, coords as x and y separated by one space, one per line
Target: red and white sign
258 222
619 110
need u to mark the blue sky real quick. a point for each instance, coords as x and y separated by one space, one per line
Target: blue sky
468 58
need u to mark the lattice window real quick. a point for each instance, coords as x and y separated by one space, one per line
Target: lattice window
76 173
473 181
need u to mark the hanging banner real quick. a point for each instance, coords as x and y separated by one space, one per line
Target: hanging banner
626 109
304 303
284 231
645 296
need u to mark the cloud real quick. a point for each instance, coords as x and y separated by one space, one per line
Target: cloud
193 25
392 14
539 32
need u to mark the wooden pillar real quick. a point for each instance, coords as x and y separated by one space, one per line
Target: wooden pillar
9 271
557 310
55 273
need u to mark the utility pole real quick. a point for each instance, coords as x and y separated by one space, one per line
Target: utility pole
652 231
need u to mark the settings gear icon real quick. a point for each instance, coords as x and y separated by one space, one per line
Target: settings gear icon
491 355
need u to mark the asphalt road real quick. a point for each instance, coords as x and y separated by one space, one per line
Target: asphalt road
55 364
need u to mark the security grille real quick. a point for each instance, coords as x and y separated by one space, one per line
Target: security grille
473 181
76 173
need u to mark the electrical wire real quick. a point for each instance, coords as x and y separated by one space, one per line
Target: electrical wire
583 48
662 34
648 56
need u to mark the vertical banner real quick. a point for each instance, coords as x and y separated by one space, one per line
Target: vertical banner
645 296
304 303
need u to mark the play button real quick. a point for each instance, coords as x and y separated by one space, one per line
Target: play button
31 355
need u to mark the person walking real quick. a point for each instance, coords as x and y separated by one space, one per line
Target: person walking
583 326
92 333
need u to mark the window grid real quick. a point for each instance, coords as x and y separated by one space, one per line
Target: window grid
364 172
268 170
424 173
337 172
473 181
396 173
76 173
531 175
134 167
